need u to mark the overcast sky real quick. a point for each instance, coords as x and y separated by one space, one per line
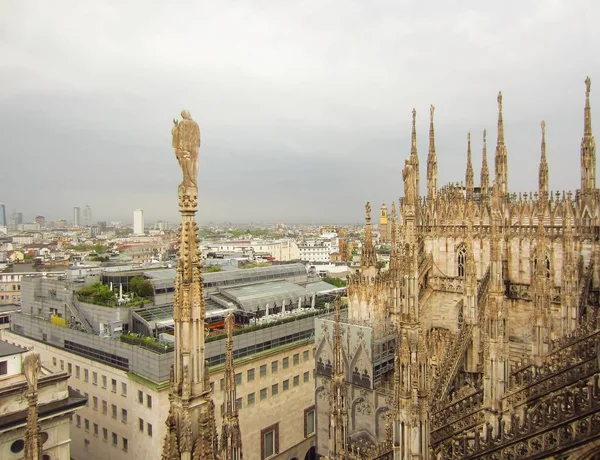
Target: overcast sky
304 106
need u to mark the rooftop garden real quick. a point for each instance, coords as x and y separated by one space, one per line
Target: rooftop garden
140 293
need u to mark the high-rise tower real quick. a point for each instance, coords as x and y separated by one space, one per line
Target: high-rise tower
87 216
76 216
138 222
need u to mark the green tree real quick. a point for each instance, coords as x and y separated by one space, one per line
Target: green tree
99 248
337 282
141 287
212 269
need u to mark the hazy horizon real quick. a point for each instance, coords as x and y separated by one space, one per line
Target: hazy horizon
304 109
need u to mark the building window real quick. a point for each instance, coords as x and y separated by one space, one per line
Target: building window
238 403
305 355
104 434
104 380
123 389
462 260
77 372
124 415
54 362
238 378
69 368
250 399
306 377
250 375
141 424
140 396
95 402
149 425
104 407
222 384
296 380
86 375
274 366
62 365
274 389
286 384
78 423
309 421
269 445
86 424
96 429
114 410
286 363
263 370
113 385
263 394
3 367
95 378
149 401
115 439
296 359
87 399
212 387
125 444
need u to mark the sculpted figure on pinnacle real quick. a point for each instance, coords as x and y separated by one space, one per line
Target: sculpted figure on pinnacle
186 142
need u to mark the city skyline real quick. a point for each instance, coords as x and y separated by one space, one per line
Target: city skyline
292 117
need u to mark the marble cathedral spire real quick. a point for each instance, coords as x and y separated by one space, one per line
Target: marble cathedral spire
501 160
485 171
338 404
414 157
368 257
432 171
469 173
231 436
588 146
543 180
191 429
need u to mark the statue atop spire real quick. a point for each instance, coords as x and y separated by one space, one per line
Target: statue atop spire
543 181
431 160
368 257
501 156
469 173
190 425
485 172
414 157
588 147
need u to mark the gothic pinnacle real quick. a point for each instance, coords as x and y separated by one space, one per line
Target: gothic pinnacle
500 120
413 139
587 131
485 172
543 180
469 173
431 159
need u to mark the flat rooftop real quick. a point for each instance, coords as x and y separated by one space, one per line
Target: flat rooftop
8 349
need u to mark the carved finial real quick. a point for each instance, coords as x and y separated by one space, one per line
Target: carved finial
431 159
485 172
431 110
543 124
413 150
587 110
543 180
500 120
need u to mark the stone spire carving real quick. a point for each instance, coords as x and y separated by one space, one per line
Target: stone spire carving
32 369
541 287
338 393
469 174
569 281
231 436
394 253
588 146
432 172
501 156
368 257
414 157
543 181
190 424
485 172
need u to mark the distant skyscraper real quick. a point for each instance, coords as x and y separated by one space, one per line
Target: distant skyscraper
87 216
41 221
76 216
19 218
3 222
138 222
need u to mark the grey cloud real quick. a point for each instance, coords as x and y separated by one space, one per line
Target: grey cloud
304 107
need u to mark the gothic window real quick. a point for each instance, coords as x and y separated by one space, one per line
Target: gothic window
462 261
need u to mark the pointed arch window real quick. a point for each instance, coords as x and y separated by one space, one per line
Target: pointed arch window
462 260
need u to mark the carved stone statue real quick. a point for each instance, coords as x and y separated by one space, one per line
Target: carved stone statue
32 368
368 210
408 174
186 142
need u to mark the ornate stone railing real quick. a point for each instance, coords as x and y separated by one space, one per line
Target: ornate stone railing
457 416
444 284
557 422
